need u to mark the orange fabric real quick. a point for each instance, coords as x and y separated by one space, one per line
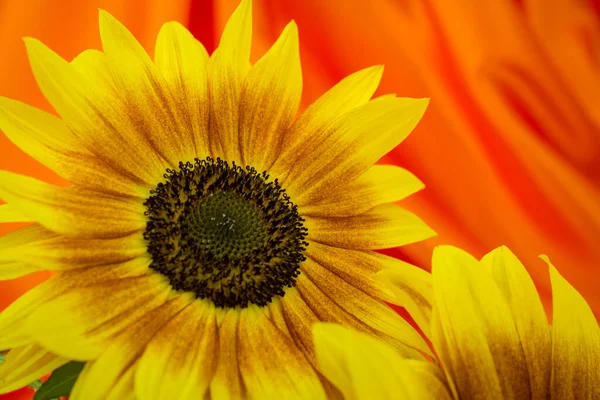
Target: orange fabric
21 394
68 28
509 147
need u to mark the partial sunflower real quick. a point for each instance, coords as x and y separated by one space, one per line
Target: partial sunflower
489 330
207 227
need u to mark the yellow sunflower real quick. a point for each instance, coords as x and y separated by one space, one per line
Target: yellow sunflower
489 329
207 227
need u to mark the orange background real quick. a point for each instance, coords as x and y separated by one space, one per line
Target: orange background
508 149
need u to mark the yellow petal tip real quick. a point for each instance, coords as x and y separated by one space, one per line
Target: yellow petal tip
106 19
376 70
32 44
102 13
545 258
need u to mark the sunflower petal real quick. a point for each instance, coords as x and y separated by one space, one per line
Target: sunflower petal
473 330
351 92
379 185
80 323
145 92
530 319
124 388
12 270
41 249
575 342
228 68
295 321
383 227
25 364
95 114
72 211
183 62
298 319
327 310
348 147
13 318
413 290
93 65
271 374
47 139
370 311
105 377
227 382
13 262
180 360
270 99
356 267
9 213
363 367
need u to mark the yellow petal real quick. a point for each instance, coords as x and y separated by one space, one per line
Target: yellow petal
105 377
237 35
124 388
180 360
98 117
80 323
14 318
370 311
413 290
267 374
348 147
363 367
72 211
379 185
13 270
227 383
269 100
298 319
356 267
327 310
40 249
183 62
13 261
9 213
47 139
382 227
296 322
473 330
25 364
228 68
575 342
529 315
93 65
145 92
351 92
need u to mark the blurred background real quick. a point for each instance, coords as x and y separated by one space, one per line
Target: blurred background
509 148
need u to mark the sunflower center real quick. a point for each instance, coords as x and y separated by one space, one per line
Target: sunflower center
225 233
226 224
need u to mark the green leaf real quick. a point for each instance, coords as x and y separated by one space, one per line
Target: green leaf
2 357
60 382
36 385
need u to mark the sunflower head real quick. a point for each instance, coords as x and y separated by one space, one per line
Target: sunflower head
208 226
489 331
224 233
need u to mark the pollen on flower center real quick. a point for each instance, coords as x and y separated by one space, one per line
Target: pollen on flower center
224 233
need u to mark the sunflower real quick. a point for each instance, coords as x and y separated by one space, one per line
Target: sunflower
207 227
489 329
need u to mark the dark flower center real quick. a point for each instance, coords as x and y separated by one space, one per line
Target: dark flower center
224 233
